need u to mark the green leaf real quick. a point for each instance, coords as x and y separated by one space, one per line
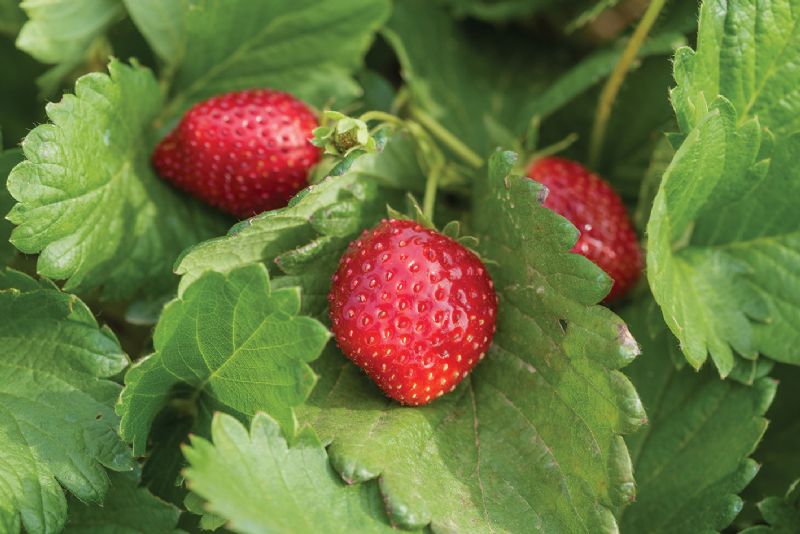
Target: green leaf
580 12
748 52
235 343
261 484
307 238
20 89
723 230
777 452
161 470
587 12
208 521
692 459
723 234
61 32
593 69
761 231
723 237
57 423
302 46
127 509
11 17
696 286
782 513
89 202
530 441
379 93
497 10
8 159
162 22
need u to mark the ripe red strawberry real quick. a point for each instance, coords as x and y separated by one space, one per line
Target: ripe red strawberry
412 308
607 235
243 152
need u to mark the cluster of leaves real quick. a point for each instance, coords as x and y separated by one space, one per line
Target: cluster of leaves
232 410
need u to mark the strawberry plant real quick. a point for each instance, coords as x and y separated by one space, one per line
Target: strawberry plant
412 265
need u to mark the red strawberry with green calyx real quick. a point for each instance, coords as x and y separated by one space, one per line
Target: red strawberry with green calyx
607 235
413 308
242 152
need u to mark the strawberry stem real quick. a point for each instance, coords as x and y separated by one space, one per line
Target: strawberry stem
429 156
380 116
555 148
614 82
447 138
429 200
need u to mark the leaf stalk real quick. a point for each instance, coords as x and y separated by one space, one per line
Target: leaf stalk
447 138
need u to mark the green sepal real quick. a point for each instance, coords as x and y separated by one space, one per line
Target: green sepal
341 135
413 212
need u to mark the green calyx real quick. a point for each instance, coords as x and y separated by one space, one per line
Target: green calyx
340 135
452 229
